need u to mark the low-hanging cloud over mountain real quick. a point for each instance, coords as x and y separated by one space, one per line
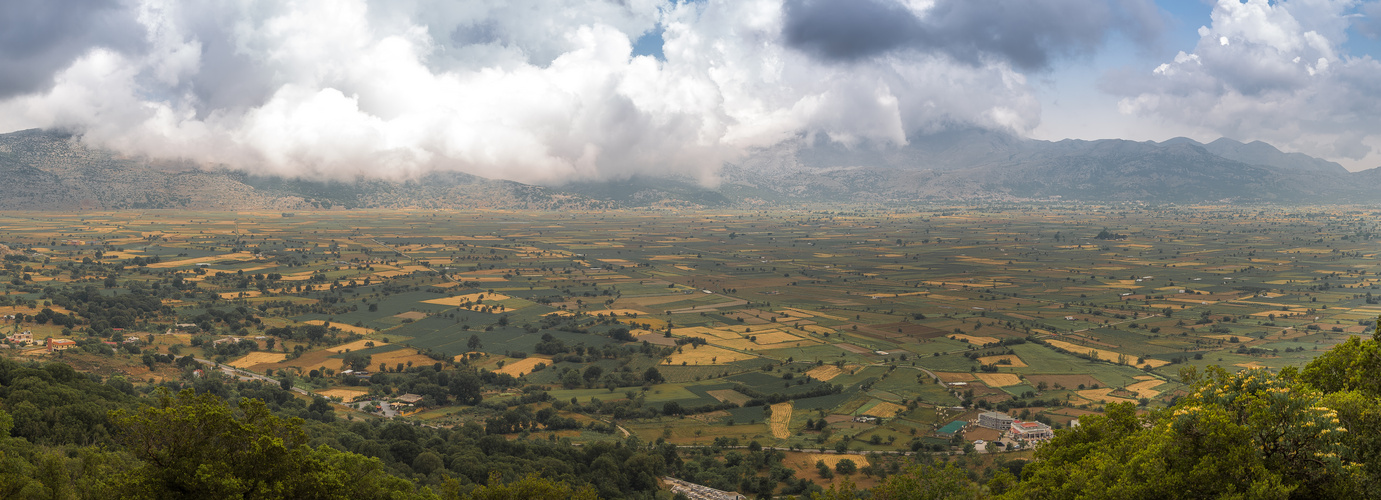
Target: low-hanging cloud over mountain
1273 71
531 91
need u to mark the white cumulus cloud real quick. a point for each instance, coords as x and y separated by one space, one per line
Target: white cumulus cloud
530 91
1272 71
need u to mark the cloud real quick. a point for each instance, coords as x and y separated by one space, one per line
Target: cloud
544 93
1026 34
1273 71
39 37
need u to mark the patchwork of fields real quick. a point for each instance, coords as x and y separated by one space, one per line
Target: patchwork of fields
865 328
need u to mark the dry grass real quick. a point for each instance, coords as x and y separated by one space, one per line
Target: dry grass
824 373
346 395
519 367
1105 355
980 341
885 410
832 460
776 337
353 346
706 355
999 379
1145 388
459 299
1102 396
257 358
342 326
781 418
993 360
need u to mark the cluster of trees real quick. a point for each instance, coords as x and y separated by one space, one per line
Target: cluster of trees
1300 433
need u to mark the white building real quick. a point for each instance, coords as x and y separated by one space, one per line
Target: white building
1031 430
995 420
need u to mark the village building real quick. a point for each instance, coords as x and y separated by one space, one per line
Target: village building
24 337
995 420
60 344
1031 430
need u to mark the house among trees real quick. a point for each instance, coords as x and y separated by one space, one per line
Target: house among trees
60 344
410 399
24 337
1031 430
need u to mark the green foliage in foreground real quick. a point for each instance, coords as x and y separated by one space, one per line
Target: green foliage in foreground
1311 433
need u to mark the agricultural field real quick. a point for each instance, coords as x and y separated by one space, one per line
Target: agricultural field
860 329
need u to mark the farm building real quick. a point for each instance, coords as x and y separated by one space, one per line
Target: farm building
24 337
995 420
60 344
1031 430
410 399
952 428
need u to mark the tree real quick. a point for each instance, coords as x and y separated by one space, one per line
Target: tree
195 446
530 487
846 467
927 482
1250 434
473 343
358 361
653 376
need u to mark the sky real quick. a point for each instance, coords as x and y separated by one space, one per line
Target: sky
558 90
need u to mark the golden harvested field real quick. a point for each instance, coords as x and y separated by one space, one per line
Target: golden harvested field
346 395
1101 396
488 298
401 356
188 262
1145 389
709 334
9 310
992 360
975 340
885 410
706 355
831 459
245 294
519 367
342 326
729 395
775 337
257 358
1105 355
999 379
948 377
781 418
412 315
353 346
824 372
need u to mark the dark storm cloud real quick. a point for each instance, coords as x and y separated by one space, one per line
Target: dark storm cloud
1025 33
40 37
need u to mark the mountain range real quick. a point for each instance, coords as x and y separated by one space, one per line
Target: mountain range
48 170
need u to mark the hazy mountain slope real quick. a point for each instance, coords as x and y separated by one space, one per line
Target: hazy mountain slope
54 171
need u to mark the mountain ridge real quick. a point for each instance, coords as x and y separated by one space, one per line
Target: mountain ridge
53 170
